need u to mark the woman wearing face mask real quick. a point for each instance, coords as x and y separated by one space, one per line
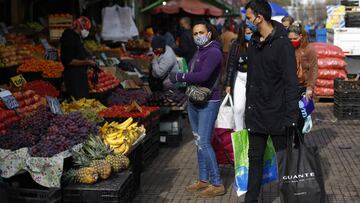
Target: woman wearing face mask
306 61
76 59
205 70
235 80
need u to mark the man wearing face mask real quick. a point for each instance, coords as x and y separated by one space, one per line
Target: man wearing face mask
271 90
76 59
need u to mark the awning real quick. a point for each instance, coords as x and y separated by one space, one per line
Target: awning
220 4
195 7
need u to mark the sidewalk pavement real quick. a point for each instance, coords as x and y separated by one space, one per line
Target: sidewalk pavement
339 143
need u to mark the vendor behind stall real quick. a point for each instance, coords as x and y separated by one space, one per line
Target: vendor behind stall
76 59
163 63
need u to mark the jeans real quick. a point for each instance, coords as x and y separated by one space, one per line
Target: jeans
239 100
202 121
257 144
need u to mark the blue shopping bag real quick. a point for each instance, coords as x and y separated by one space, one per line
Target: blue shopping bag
240 141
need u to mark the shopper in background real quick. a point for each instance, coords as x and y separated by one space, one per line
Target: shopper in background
76 59
187 47
205 70
236 75
307 68
163 31
287 21
164 62
271 89
226 37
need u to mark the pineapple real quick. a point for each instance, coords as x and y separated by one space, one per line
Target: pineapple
86 175
93 154
102 167
118 163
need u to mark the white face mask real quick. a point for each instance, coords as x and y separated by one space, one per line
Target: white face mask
84 33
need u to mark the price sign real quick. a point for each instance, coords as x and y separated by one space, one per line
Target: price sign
54 105
51 54
8 99
18 80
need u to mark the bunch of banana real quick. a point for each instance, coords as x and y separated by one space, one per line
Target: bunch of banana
120 136
76 105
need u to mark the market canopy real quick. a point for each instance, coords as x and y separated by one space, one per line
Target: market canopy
195 7
276 10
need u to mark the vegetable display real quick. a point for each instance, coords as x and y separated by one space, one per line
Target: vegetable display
49 69
105 82
43 88
124 111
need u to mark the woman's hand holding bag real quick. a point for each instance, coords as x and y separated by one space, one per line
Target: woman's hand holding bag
225 118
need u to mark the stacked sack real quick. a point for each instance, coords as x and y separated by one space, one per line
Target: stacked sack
331 65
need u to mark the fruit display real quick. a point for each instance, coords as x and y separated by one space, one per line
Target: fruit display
167 99
125 111
13 55
49 68
98 156
138 44
92 46
43 88
17 38
105 82
91 115
37 27
28 103
120 136
64 132
85 175
124 97
77 105
28 132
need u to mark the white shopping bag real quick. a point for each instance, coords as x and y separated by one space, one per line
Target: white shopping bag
225 118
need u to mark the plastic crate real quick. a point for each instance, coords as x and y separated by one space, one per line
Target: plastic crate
344 112
135 157
151 146
171 124
350 84
22 188
321 35
351 97
118 188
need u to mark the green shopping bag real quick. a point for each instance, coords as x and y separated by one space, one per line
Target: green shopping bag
240 141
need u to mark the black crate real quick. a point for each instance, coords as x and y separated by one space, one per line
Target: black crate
171 140
31 76
135 157
118 188
344 112
351 97
23 189
347 84
151 147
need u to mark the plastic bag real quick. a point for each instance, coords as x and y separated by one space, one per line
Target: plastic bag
329 63
331 74
225 118
322 91
222 145
328 50
325 83
240 140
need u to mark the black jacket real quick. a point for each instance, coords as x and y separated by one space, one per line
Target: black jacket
234 63
187 47
272 86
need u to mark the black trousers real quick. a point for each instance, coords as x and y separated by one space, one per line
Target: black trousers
257 144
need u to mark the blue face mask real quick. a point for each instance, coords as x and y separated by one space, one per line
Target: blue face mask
251 25
248 37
